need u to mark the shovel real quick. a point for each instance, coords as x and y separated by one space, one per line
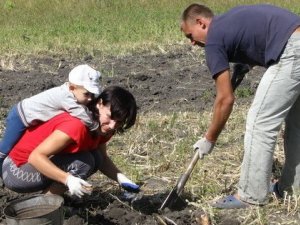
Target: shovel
177 190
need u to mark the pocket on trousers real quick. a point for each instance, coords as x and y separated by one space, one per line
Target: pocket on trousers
295 75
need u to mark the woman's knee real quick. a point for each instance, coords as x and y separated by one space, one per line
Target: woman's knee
81 165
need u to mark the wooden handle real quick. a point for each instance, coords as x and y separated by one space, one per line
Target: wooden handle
187 173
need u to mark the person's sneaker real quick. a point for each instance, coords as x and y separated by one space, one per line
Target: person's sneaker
275 189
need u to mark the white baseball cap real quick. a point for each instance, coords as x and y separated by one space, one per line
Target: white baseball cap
86 76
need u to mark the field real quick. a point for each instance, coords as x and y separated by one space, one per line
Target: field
138 45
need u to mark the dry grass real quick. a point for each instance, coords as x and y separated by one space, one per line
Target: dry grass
160 146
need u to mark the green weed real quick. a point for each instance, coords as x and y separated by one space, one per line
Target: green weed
98 27
243 92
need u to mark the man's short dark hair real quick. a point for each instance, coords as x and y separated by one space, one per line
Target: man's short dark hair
194 10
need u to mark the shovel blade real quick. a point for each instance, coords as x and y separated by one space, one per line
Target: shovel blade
173 201
173 198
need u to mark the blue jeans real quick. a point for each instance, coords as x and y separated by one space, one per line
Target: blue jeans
13 132
277 100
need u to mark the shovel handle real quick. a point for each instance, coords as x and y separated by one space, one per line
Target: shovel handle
184 177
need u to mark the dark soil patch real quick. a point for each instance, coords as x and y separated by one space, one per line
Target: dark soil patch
175 81
168 82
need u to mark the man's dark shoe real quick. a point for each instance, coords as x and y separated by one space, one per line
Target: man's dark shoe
275 189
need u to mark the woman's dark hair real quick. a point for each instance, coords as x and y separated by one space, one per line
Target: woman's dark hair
122 105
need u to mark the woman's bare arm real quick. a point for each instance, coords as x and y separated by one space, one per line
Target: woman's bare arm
107 167
39 158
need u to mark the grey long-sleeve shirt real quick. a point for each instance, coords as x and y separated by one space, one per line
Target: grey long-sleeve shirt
47 104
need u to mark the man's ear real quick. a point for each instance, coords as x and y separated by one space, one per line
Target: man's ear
201 21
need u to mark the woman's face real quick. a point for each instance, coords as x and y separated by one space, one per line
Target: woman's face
107 124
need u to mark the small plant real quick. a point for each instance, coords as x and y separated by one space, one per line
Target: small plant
8 5
109 73
243 92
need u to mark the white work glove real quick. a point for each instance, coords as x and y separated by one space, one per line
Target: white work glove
78 186
204 147
127 184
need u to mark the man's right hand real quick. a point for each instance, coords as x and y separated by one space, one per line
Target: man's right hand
78 186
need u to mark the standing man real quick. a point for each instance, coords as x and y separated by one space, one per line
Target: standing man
262 35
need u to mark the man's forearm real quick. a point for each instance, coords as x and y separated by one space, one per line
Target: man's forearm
221 113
